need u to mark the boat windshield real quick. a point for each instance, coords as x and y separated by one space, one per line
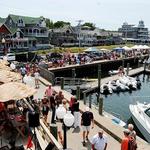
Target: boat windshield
148 112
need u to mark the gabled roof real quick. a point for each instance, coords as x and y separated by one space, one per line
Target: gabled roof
26 19
2 20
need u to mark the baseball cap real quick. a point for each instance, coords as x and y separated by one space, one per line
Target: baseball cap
100 130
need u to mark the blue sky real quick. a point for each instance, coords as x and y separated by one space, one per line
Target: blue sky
108 14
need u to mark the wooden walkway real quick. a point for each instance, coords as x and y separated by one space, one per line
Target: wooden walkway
110 128
94 85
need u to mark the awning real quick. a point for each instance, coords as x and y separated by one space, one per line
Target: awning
9 76
15 91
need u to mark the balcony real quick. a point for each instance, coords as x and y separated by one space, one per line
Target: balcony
36 34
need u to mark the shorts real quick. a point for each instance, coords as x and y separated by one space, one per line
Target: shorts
86 128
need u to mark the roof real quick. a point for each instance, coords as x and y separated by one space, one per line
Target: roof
26 19
2 20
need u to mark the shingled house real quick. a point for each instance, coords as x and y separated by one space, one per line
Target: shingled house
26 33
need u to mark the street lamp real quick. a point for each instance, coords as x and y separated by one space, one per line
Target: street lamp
68 120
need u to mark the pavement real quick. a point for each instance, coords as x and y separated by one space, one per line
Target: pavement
74 136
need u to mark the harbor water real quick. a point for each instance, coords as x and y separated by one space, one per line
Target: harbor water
117 104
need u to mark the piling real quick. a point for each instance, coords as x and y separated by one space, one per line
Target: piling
84 98
101 105
123 63
128 65
62 83
78 92
145 64
90 101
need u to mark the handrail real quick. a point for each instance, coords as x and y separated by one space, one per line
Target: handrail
46 131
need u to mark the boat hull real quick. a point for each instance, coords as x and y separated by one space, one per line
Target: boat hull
143 131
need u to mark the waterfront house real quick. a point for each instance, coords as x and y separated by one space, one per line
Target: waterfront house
27 33
63 36
135 34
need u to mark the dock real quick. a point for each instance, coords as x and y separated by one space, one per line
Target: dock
114 131
94 85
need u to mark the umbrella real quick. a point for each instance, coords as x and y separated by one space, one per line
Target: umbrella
15 91
91 49
127 48
8 76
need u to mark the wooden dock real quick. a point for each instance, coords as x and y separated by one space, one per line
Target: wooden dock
94 85
113 130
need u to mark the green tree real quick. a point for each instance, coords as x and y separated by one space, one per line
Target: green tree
60 24
49 23
89 24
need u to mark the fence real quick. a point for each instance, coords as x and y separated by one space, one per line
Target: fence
49 76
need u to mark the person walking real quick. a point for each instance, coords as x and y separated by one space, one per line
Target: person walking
48 93
125 140
132 132
76 113
99 141
86 120
36 77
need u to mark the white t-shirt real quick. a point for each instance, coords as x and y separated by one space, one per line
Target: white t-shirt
36 75
99 143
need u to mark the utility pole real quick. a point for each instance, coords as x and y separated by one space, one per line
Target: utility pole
79 31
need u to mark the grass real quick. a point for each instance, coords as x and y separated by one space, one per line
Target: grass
75 49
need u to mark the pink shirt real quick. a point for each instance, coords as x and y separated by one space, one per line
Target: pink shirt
49 92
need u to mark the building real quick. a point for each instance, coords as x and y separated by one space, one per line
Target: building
64 36
27 33
135 34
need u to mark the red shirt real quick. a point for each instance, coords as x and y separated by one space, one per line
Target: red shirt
124 143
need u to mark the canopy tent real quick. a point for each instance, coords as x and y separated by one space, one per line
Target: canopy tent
119 49
146 47
15 91
126 48
8 76
92 49
103 49
140 47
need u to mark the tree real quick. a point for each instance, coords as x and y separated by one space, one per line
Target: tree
49 23
60 24
89 24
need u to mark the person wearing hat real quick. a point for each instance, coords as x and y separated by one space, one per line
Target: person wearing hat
99 141
125 140
86 120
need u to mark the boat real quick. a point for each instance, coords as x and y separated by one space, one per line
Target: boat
113 72
141 117
105 89
125 80
122 86
115 118
114 86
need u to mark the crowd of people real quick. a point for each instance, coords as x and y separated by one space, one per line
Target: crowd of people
65 59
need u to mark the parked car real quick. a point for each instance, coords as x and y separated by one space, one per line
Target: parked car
9 57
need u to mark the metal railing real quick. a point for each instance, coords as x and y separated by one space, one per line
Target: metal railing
49 76
70 81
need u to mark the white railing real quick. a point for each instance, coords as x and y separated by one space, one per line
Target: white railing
37 34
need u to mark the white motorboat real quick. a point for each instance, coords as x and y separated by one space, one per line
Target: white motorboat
141 117
113 72
122 86
131 84
114 86
105 89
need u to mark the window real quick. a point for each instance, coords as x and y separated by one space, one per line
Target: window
148 112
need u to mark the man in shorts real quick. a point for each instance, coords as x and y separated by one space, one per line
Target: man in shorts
86 120
99 141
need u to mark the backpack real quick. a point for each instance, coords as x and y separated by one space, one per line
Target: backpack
132 145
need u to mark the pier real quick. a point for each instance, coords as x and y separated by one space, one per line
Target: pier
114 131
